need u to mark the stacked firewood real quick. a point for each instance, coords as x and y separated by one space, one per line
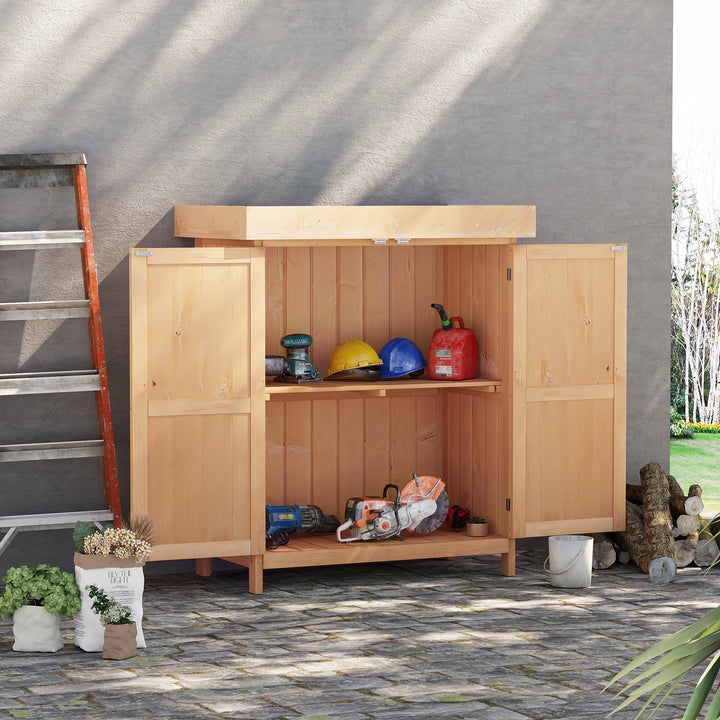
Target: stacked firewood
664 529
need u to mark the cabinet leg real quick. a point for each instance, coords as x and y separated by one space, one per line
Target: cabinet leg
203 567
255 574
507 562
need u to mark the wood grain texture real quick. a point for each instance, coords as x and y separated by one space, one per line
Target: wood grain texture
204 411
573 387
343 223
542 424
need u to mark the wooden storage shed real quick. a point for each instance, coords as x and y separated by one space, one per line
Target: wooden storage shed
536 444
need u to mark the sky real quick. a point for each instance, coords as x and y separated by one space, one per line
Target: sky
696 99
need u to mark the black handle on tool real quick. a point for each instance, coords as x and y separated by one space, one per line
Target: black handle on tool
446 324
391 485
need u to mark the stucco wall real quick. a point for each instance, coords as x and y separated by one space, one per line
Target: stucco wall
557 103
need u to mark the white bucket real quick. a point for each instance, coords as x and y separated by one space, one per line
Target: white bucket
570 560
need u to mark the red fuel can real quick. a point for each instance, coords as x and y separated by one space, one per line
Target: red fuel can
454 352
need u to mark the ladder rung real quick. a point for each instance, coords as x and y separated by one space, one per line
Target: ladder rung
40 160
52 451
45 310
47 521
25 177
41 239
49 382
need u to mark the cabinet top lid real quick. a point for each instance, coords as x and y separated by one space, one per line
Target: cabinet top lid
359 222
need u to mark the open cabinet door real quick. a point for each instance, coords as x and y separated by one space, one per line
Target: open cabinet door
568 395
197 399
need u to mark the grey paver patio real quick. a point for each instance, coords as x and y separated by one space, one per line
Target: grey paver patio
422 639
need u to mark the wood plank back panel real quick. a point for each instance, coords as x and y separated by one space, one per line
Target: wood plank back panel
330 450
356 446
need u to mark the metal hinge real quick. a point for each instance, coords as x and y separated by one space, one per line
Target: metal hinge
380 241
507 504
402 241
509 274
143 253
618 247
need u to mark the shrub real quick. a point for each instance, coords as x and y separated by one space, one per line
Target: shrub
705 427
678 427
44 585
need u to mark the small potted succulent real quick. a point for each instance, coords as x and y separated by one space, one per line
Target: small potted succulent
477 526
120 637
36 598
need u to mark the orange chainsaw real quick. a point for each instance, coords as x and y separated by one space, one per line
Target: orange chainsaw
421 506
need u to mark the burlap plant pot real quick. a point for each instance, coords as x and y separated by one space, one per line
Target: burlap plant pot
120 642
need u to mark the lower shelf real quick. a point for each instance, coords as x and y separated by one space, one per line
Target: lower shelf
305 550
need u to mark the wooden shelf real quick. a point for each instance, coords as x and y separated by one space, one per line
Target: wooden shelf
379 388
305 549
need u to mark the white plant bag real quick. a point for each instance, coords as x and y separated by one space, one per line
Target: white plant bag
122 580
36 630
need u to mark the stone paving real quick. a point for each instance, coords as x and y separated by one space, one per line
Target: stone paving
421 639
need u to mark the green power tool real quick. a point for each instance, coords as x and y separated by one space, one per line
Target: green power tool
298 368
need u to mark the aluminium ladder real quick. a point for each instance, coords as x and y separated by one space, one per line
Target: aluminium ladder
60 169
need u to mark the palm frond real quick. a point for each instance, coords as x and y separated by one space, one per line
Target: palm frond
671 660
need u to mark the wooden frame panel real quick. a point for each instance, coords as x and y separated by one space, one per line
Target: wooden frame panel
197 389
569 348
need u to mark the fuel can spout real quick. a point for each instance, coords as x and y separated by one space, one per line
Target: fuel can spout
446 324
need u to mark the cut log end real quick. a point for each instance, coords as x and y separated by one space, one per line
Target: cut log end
662 570
706 552
688 524
694 505
684 553
604 553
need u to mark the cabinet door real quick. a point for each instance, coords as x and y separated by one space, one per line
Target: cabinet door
197 399
568 394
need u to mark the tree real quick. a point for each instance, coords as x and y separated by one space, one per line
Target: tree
695 307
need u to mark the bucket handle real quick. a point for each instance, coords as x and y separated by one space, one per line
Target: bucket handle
459 319
560 572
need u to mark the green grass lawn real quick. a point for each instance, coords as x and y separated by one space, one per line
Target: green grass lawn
698 461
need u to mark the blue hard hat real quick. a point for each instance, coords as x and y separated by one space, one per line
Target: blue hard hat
401 357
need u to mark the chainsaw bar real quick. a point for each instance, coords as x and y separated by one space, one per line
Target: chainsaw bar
438 518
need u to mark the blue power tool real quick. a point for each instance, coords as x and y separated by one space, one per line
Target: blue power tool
281 520
298 368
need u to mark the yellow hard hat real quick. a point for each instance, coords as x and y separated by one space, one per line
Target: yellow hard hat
353 355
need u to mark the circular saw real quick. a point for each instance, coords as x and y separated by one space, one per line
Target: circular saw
423 487
421 507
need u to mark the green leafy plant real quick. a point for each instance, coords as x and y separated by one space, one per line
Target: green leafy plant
44 585
476 520
109 611
678 427
672 659
81 531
